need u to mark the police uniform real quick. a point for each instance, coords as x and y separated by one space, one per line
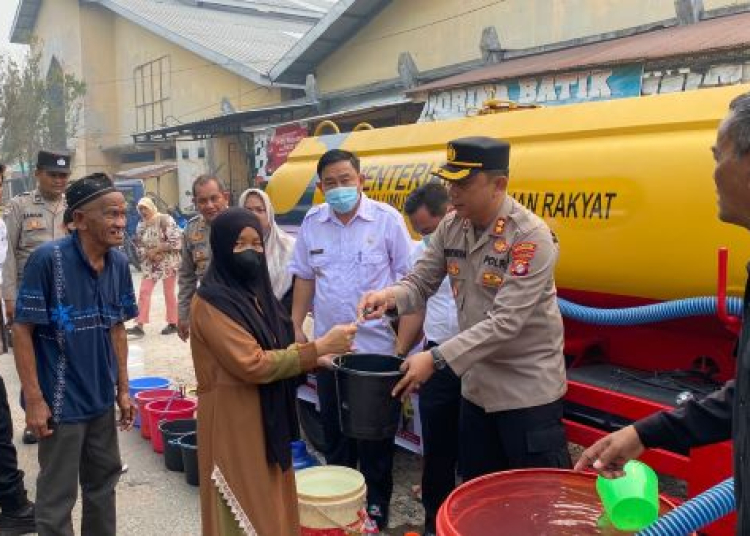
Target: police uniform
196 254
31 221
509 352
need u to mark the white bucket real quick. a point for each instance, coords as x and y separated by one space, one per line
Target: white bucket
330 497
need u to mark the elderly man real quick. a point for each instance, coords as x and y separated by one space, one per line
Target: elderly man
71 355
211 198
346 246
500 258
722 415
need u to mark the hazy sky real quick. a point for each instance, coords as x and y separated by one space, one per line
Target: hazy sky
7 13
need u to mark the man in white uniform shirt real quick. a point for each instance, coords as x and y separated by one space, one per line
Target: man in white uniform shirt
345 247
440 396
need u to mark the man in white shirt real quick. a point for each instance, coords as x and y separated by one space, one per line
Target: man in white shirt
440 396
347 246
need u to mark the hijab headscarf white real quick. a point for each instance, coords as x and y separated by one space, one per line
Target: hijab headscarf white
149 204
279 246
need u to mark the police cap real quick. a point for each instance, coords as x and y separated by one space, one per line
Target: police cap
476 153
57 161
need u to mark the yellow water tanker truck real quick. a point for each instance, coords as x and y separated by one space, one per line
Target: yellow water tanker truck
627 187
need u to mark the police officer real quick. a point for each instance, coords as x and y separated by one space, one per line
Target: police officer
211 198
500 258
33 218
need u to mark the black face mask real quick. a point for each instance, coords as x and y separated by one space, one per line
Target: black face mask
247 265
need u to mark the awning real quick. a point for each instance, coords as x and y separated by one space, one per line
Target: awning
147 172
723 33
372 105
228 124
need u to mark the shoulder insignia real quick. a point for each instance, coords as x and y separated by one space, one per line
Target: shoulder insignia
500 246
491 280
499 226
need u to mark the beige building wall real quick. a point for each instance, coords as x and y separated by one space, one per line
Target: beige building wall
195 86
103 49
715 4
446 32
101 126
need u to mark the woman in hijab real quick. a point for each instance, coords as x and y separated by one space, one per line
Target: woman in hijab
246 367
279 244
158 242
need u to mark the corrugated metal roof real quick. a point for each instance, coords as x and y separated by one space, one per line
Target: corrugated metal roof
706 36
249 41
342 21
145 172
247 37
24 21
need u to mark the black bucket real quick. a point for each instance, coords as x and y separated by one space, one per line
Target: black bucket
189 447
364 383
171 432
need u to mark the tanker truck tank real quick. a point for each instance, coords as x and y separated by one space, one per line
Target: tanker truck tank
626 185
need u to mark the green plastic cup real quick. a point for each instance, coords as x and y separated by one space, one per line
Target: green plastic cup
632 501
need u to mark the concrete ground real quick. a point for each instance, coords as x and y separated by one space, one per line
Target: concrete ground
152 500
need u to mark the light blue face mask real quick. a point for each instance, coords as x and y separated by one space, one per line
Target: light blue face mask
342 199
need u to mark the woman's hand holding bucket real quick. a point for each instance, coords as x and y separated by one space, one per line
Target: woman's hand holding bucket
339 340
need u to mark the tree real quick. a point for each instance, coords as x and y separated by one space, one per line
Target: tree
37 110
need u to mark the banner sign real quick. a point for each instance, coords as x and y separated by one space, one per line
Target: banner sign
615 82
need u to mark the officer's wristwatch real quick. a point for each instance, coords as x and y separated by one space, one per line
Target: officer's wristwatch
438 361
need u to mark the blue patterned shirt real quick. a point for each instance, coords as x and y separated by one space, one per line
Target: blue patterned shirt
73 306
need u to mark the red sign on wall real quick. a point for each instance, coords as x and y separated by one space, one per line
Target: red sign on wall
282 142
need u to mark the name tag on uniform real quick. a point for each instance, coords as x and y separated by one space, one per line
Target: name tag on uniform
33 224
316 252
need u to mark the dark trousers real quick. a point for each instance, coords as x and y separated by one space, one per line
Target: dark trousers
375 457
439 405
513 439
87 452
12 490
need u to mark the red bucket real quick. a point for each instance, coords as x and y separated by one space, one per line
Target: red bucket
527 501
168 410
143 398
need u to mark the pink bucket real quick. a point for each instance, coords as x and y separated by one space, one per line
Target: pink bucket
168 410
143 398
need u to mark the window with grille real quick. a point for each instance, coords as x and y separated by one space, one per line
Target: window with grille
151 83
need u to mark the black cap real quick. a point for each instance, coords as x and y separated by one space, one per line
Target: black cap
87 189
473 154
53 161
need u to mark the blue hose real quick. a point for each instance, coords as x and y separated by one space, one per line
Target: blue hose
696 513
648 314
